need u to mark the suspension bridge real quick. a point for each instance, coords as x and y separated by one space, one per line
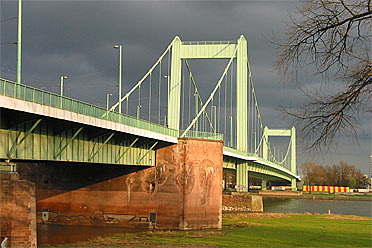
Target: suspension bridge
164 105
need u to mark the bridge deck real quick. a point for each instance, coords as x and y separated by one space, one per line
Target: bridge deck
28 99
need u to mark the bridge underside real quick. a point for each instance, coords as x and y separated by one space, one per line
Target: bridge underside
267 177
25 136
259 168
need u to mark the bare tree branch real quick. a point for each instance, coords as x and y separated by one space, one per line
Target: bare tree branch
334 38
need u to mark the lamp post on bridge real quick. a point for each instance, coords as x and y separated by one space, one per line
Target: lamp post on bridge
138 110
19 43
108 100
120 47
62 77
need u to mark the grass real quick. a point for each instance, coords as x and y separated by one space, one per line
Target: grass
256 230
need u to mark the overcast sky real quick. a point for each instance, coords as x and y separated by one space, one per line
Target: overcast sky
76 38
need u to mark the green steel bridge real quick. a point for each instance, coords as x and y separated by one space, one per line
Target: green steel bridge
40 125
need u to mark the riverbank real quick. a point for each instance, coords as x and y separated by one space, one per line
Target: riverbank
316 196
255 230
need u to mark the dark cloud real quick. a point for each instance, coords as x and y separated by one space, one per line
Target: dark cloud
77 37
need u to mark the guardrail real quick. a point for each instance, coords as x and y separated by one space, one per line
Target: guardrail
202 135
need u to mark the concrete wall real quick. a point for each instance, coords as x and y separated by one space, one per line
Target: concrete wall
184 189
246 202
17 211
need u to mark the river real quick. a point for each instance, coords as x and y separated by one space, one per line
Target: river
359 208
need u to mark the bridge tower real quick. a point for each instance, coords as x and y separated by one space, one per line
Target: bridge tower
213 50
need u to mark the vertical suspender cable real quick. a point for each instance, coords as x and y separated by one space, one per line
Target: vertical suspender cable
127 105
258 129
219 109
150 98
231 115
260 134
203 122
249 133
252 110
225 86
159 114
168 77
212 114
255 126
199 121
139 103
231 104
189 97
196 109
183 95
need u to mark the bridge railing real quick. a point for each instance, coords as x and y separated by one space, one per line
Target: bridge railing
30 94
202 135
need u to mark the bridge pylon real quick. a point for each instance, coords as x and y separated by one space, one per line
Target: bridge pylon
214 50
281 132
211 50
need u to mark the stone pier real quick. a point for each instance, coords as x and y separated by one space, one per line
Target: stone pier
17 211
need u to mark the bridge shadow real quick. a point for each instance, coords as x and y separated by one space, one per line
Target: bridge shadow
54 178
